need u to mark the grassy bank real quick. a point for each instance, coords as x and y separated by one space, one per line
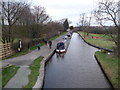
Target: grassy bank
17 54
35 47
8 73
110 66
101 40
101 43
34 72
96 35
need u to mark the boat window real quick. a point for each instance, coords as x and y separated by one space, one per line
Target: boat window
60 46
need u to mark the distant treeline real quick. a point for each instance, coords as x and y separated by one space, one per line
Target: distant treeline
98 30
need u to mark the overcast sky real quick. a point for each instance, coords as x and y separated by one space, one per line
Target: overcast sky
71 9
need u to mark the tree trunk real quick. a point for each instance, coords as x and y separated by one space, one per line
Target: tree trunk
9 34
118 46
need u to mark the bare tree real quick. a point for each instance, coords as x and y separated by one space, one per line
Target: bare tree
119 12
89 18
26 24
54 28
27 17
12 11
99 18
108 11
31 22
40 15
84 22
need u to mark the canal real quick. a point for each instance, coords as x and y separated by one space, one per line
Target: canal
77 68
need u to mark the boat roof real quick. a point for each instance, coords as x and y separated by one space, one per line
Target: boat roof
60 42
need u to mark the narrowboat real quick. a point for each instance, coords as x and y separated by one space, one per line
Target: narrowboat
60 48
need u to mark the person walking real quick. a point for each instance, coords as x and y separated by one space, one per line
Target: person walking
45 41
50 43
28 46
38 46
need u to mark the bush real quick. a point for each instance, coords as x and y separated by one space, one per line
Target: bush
25 43
15 46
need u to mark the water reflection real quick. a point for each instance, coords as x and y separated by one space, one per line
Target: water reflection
60 55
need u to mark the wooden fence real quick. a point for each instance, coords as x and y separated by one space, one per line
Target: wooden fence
5 50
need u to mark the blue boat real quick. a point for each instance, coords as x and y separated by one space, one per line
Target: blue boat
60 47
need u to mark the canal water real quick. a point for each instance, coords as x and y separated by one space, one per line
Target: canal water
77 68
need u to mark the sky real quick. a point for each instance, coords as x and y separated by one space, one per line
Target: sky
71 9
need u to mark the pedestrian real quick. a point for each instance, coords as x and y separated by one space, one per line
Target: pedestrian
45 41
28 46
50 43
38 46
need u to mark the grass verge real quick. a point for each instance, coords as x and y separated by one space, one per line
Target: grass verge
35 47
17 54
34 72
104 41
110 66
96 35
8 73
101 43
